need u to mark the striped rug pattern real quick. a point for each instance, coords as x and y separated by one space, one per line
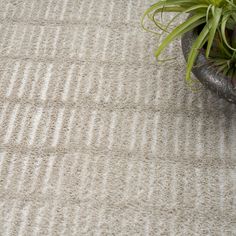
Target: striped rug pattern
96 137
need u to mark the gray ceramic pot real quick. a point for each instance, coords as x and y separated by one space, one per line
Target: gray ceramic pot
207 74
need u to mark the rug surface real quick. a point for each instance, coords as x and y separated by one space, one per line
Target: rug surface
96 137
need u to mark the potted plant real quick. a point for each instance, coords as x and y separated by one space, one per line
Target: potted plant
208 40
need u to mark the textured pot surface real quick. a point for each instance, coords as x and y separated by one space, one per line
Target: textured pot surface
207 74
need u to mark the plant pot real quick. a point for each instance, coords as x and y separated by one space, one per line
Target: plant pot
208 74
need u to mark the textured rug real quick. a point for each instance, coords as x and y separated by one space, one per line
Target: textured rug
96 137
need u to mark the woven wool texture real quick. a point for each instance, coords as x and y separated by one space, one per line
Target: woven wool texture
96 137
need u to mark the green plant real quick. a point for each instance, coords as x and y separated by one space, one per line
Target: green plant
223 57
216 21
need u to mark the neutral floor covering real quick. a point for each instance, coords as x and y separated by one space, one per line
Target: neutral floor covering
97 137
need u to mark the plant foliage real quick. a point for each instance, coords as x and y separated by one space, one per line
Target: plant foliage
217 22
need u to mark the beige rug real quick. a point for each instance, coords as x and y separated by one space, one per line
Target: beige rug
96 137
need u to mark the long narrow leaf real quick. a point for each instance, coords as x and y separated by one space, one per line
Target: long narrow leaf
197 45
215 23
188 25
